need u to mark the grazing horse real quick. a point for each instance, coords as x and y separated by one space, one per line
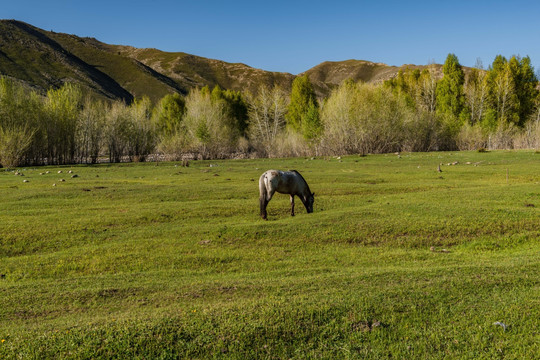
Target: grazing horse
285 182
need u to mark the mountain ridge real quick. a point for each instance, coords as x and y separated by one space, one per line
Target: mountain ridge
45 59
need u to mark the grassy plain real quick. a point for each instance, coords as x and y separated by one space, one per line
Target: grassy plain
158 262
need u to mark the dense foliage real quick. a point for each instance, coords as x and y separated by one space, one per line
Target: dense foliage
415 111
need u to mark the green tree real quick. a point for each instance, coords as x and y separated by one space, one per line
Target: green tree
141 141
118 130
406 85
526 87
168 114
90 132
303 102
235 106
63 106
311 123
14 141
450 99
504 102
21 124
417 88
513 90
476 93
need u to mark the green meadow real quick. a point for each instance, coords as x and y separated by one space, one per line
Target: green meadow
160 261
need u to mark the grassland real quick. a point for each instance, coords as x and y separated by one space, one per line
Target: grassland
158 261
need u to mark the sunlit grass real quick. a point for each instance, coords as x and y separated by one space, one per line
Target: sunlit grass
162 261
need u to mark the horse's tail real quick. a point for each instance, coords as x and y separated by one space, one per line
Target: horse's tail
262 194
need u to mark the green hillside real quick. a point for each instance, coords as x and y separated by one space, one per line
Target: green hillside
35 57
45 59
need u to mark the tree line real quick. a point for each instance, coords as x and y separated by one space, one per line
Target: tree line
415 111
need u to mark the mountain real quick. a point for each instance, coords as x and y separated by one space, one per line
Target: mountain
44 59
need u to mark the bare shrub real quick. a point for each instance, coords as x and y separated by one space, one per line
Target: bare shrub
528 137
266 112
292 144
503 137
208 127
242 145
174 145
471 138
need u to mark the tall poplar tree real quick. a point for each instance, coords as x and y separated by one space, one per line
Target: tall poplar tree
526 87
303 111
168 114
450 99
512 89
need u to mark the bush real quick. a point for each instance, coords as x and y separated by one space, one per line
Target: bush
503 137
529 137
422 132
471 138
360 118
208 129
14 141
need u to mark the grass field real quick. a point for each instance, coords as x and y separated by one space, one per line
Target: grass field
160 261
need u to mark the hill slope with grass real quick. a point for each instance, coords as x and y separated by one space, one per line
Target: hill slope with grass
44 59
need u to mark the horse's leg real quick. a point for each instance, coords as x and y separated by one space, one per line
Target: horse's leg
292 205
263 203
269 195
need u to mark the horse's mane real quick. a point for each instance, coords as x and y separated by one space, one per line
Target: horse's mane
305 182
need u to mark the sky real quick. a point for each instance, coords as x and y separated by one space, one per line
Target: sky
294 36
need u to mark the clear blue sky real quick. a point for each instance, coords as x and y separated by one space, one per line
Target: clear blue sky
293 36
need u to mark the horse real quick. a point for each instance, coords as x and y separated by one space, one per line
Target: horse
285 182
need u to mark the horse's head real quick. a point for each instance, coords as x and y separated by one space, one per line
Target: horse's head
309 202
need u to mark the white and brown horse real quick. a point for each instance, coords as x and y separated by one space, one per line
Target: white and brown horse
285 182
